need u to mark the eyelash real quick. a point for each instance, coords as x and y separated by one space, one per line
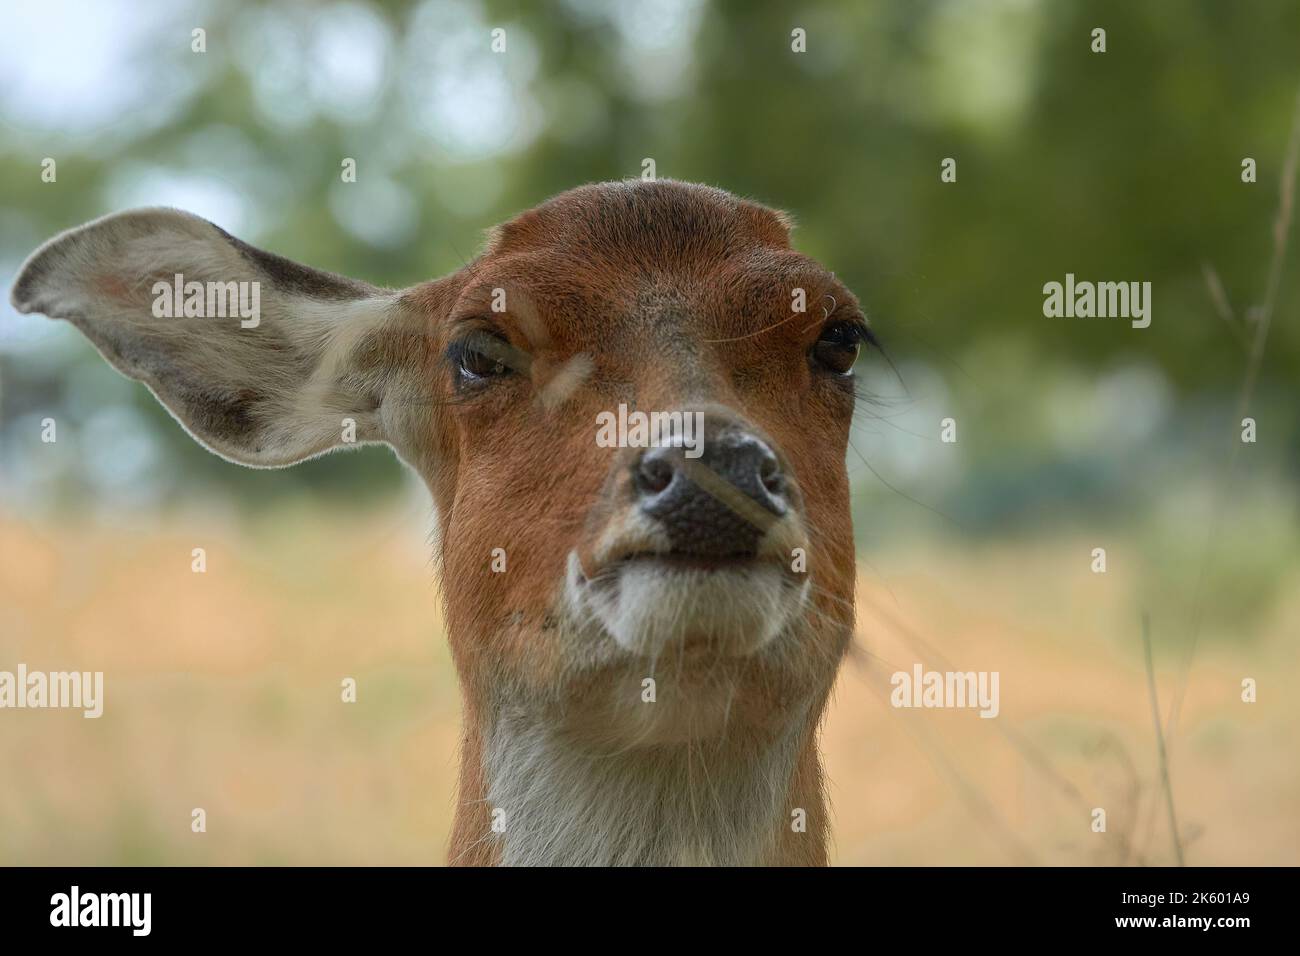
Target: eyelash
839 339
862 334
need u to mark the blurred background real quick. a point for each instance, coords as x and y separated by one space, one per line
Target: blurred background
1072 434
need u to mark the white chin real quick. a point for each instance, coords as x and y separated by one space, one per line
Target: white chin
653 607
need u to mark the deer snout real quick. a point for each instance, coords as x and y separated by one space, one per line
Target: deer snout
718 504
692 544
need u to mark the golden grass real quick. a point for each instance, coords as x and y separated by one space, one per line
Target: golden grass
223 693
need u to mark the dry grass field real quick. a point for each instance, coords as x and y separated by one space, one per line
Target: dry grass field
223 692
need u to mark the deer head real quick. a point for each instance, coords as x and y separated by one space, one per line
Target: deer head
646 622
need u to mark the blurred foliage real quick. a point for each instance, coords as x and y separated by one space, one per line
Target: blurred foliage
1116 166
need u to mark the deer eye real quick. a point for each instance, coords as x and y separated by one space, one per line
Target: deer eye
837 348
479 356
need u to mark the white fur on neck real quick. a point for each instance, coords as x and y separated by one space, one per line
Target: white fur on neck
711 802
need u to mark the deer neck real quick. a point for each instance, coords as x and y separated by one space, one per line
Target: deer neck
530 796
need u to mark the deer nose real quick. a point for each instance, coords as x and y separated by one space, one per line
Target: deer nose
718 504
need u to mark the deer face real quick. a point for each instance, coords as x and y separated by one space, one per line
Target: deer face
717 562
712 556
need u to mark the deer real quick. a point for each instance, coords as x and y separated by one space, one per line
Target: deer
645 638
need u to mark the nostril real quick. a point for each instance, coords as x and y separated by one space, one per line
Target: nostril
769 473
719 503
654 473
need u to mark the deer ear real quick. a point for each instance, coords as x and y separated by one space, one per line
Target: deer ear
264 361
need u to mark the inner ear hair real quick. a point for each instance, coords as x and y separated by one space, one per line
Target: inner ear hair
304 352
